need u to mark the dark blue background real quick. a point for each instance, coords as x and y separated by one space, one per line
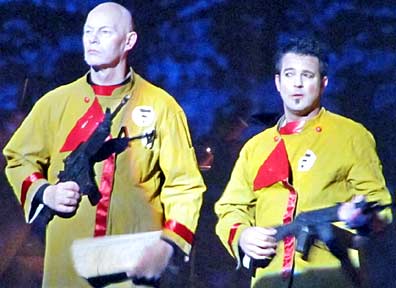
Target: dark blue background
216 58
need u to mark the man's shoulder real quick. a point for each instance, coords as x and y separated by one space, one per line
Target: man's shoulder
68 88
63 92
342 122
146 87
265 137
343 125
150 92
60 95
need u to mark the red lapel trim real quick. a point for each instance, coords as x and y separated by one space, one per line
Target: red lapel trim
289 242
106 188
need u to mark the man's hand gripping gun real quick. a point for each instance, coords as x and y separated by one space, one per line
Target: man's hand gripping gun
317 225
79 164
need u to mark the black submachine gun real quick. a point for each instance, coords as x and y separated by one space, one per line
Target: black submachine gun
314 225
79 164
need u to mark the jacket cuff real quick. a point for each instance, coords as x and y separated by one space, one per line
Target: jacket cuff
27 183
30 187
178 234
233 242
37 202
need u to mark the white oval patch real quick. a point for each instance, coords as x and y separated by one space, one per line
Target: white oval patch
143 116
307 161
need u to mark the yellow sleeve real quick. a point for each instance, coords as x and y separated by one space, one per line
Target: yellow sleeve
365 176
236 207
27 155
183 187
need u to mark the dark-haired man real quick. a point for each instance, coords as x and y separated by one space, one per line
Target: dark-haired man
311 159
150 186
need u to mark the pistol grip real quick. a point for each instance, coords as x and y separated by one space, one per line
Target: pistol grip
305 240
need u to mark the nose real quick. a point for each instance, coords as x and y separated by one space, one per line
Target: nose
298 82
93 37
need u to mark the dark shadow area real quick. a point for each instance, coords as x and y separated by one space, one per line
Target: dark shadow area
21 251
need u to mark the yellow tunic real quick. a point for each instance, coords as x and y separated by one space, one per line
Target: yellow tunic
342 163
152 184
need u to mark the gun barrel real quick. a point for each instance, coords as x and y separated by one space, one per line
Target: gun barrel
122 103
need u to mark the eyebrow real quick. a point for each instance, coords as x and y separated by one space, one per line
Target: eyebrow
293 69
101 27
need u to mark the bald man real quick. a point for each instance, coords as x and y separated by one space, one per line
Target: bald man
152 185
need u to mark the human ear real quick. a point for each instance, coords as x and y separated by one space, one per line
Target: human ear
277 82
131 40
324 82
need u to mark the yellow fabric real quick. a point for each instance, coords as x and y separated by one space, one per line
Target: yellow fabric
346 165
151 185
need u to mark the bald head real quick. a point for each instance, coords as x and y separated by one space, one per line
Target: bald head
117 12
108 36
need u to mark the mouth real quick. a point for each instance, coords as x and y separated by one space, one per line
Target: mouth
297 98
92 51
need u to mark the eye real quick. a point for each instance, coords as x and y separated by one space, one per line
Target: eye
105 32
288 73
308 75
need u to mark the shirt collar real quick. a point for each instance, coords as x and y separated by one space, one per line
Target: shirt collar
107 90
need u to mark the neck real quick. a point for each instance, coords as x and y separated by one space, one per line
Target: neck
292 117
109 76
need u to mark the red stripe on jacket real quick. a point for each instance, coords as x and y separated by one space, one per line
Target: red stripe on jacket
27 183
180 230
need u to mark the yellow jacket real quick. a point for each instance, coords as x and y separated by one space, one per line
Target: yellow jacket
153 185
332 159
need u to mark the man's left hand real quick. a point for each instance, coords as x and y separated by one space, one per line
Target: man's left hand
353 215
153 262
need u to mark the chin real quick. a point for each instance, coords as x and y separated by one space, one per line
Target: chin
95 64
88 61
93 60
